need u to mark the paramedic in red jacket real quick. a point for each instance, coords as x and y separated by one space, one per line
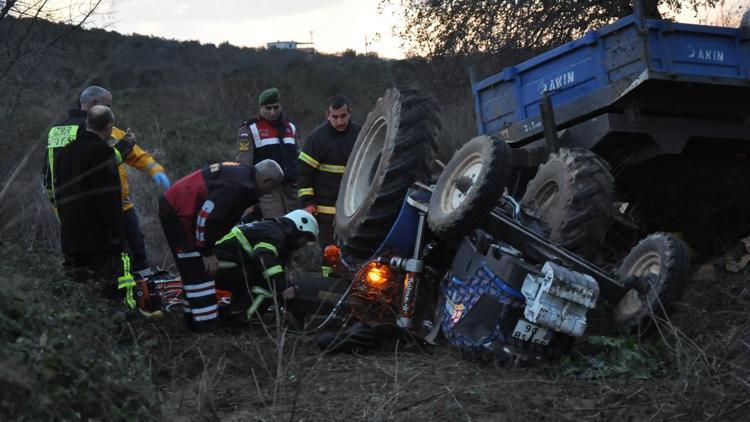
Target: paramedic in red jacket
200 209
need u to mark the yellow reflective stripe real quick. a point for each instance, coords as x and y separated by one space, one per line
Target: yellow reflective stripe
260 295
306 192
322 209
309 160
276 269
125 281
118 156
326 270
237 233
51 169
268 246
330 168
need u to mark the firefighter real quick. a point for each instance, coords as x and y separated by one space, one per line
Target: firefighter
88 205
197 211
324 155
126 152
256 253
272 136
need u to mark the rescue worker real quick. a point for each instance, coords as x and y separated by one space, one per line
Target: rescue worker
126 151
272 136
324 155
88 204
257 253
197 211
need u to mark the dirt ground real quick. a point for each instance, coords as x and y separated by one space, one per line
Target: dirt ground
696 368
88 362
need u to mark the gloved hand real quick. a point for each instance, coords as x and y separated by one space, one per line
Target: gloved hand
162 180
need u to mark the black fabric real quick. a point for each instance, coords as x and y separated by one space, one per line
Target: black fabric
88 197
250 267
231 187
135 240
75 118
328 146
192 270
325 227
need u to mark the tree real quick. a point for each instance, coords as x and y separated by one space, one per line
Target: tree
20 41
458 27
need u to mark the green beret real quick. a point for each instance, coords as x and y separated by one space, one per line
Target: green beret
269 96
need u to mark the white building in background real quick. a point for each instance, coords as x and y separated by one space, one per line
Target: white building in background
291 45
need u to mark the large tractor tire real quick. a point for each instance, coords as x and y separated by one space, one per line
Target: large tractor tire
661 263
573 195
469 186
395 148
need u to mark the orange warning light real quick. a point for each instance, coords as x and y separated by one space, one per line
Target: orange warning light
332 255
376 275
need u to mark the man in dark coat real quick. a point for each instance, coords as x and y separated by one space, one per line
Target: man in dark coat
323 160
88 204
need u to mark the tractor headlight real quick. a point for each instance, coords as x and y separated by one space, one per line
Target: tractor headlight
376 275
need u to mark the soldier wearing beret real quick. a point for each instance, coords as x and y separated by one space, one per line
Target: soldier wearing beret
272 136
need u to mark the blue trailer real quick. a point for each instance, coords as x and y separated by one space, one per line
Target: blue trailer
663 108
599 70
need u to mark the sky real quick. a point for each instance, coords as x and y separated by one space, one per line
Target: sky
333 25
336 25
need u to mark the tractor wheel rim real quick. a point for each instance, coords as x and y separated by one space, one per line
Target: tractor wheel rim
366 162
648 264
471 168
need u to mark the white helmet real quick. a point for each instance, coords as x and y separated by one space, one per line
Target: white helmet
304 221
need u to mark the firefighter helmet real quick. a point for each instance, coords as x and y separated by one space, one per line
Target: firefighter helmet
304 221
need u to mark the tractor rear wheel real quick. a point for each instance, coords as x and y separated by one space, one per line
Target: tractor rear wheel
573 195
395 148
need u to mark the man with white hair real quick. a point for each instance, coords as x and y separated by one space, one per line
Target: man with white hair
196 212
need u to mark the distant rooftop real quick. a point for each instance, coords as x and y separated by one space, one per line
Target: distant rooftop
290 45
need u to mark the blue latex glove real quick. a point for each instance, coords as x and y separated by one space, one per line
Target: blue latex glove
161 179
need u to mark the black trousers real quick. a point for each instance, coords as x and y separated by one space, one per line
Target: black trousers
325 225
136 242
198 286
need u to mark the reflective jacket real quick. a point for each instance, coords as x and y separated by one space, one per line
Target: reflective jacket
60 135
134 156
260 139
324 155
262 244
210 201
126 153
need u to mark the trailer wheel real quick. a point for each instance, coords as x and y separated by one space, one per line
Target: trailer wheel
572 193
395 148
662 264
469 186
